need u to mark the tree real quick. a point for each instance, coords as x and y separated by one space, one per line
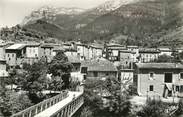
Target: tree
60 69
164 59
179 111
12 102
12 78
153 108
116 102
34 80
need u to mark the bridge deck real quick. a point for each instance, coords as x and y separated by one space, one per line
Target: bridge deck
55 108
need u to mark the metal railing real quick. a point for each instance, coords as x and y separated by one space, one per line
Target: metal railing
33 110
69 109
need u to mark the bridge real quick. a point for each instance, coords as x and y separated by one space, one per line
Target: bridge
64 104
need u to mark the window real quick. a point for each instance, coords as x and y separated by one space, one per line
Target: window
177 88
84 70
181 75
95 74
8 55
181 88
168 77
151 88
84 77
151 76
12 55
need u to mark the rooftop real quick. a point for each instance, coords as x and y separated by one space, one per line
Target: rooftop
125 51
47 45
16 47
33 44
149 50
99 64
159 66
97 46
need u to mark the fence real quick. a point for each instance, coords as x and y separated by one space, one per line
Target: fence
33 110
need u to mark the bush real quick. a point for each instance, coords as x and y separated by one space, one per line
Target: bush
11 103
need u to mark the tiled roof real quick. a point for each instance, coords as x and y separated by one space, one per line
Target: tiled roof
33 44
117 48
159 66
125 51
149 50
98 46
132 46
99 64
16 47
47 45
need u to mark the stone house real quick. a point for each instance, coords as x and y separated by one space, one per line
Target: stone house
15 54
126 77
47 52
98 68
33 53
112 52
165 51
148 54
3 72
160 79
95 51
82 50
127 59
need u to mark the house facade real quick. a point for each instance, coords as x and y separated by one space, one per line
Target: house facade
2 51
95 51
33 53
82 50
47 52
160 79
15 54
134 52
165 51
112 52
148 54
127 59
126 77
3 72
98 68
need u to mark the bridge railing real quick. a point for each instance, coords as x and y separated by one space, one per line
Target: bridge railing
69 109
33 110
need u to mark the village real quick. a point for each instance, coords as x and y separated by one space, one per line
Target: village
131 64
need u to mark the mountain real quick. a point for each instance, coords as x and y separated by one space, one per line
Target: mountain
49 13
110 6
138 22
76 18
143 22
49 29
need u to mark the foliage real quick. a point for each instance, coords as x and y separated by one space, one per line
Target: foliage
12 102
74 85
116 103
60 69
153 108
180 108
164 59
12 78
34 80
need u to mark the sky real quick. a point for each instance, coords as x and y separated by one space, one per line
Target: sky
12 12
